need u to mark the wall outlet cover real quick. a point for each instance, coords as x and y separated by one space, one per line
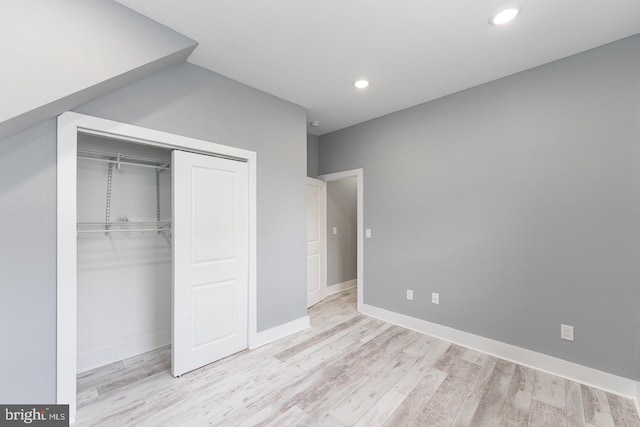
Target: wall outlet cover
566 332
435 298
410 294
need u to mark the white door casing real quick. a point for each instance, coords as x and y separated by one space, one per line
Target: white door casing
316 241
210 256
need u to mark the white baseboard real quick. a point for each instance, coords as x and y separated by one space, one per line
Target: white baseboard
280 331
592 377
339 287
95 359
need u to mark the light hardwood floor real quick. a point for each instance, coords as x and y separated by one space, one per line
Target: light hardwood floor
348 369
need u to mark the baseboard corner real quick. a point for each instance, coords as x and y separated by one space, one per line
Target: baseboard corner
104 356
339 287
280 331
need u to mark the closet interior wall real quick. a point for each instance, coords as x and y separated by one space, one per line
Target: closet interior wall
124 278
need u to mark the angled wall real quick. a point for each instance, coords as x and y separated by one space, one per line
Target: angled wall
62 53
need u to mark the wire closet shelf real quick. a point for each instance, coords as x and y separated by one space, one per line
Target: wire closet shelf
123 225
123 159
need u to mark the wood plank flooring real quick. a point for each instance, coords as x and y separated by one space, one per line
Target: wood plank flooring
347 370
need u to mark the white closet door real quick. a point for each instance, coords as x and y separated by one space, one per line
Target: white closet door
210 259
316 241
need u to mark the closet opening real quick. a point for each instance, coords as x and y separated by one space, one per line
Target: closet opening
141 212
123 264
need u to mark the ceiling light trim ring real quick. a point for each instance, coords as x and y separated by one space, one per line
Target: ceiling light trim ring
362 83
505 15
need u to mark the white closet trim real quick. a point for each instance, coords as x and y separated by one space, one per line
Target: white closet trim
69 125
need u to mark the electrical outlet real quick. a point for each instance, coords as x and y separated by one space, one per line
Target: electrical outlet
367 233
566 332
410 294
435 298
335 231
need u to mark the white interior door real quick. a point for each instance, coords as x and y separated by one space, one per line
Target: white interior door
316 241
210 259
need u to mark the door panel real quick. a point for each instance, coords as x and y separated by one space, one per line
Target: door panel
213 233
316 241
210 256
313 272
213 316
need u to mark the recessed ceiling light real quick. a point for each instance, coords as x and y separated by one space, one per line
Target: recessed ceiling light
505 16
361 84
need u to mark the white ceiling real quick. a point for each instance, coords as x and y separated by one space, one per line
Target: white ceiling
413 51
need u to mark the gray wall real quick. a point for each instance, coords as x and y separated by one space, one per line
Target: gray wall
342 248
28 265
517 201
183 99
312 156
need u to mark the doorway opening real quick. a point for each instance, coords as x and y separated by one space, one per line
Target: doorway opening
124 250
71 127
345 232
342 225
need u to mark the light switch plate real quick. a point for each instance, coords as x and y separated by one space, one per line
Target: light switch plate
435 298
367 233
335 231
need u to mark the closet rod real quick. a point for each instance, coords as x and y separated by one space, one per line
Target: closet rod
133 230
127 159
125 163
